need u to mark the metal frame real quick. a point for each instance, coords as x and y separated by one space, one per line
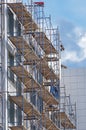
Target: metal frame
37 49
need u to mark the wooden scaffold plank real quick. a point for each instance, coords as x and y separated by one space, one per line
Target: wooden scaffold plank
49 83
17 128
48 97
51 59
24 48
25 77
24 16
45 43
66 121
48 123
25 106
51 108
44 68
46 71
30 83
29 54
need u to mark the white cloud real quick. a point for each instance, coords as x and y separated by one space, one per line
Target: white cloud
71 56
69 35
76 55
82 44
74 41
78 31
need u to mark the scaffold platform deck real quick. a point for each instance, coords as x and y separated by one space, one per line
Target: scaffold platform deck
17 128
25 77
48 123
45 43
65 121
24 48
24 16
25 106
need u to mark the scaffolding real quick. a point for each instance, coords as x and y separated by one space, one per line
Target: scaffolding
67 110
31 68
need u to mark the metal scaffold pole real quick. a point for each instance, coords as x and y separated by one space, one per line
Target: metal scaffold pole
4 66
31 69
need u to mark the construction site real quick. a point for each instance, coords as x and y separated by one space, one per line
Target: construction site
32 96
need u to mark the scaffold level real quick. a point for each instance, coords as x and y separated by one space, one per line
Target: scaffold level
45 43
25 77
28 53
48 123
47 72
48 97
24 48
66 122
24 16
28 81
25 106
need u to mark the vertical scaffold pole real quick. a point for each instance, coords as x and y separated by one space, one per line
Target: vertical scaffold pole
4 65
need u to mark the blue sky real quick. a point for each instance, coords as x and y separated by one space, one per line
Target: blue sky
70 16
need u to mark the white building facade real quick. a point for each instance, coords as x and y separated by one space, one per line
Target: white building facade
74 80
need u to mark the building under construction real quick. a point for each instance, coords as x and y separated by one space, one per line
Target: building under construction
31 94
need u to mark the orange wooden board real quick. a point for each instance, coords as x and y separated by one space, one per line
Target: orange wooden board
45 43
48 123
25 77
48 97
24 16
26 106
65 121
17 128
47 72
24 48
